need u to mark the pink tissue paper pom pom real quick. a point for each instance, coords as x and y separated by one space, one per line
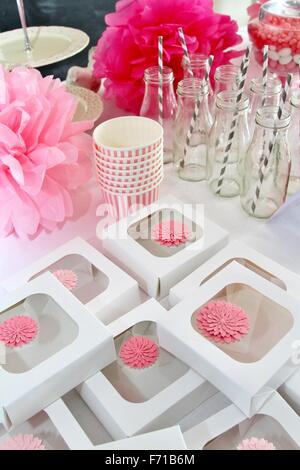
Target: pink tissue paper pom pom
67 277
43 154
139 352
18 331
23 442
256 444
170 233
222 322
129 44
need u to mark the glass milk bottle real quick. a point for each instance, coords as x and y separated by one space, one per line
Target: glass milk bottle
228 185
263 199
150 107
259 97
198 64
191 160
294 141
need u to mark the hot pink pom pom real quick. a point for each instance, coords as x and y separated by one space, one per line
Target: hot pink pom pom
139 352
222 322
256 444
23 442
18 331
129 44
43 154
67 277
170 233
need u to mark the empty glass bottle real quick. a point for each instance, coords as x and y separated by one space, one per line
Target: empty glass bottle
260 97
198 64
218 142
150 107
273 189
294 141
191 160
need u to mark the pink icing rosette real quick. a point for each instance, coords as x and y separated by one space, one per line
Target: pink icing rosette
23 442
139 352
67 277
18 331
256 444
44 156
222 322
170 233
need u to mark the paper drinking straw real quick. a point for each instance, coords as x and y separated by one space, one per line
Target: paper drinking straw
244 71
161 80
265 72
185 52
208 67
265 162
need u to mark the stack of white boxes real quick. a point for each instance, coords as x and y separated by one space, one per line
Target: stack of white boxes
69 386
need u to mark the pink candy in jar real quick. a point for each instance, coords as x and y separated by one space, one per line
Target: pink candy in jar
278 26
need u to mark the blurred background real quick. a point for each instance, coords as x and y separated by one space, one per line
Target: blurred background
87 15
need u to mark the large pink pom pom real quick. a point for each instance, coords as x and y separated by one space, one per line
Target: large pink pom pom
18 331
44 155
139 352
129 44
23 442
67 277
170 233
222 322
256 444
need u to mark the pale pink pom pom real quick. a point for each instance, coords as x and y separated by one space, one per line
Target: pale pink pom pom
139 352
222 322
23 442
256 444
44 155
170 233
18 331
67 277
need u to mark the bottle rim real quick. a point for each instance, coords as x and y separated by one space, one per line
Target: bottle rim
197 59
151 75
227 72
227 100
274 86
283 9
192 87
267 117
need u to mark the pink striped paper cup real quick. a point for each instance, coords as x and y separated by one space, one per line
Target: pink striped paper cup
124 180
144 166
120 206
131 189
128 139
108 159
144 171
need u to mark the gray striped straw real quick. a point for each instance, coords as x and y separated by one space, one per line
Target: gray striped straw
244 70
185 52
265 72
161 80
265 162
208 67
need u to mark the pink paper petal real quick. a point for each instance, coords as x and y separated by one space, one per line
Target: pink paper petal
67 277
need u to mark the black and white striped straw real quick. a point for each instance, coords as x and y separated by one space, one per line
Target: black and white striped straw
265 162
265 72
243 76
208 67
185 52
160 80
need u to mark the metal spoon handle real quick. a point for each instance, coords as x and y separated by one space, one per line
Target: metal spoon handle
20 4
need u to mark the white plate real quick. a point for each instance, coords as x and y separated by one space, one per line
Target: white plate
89 107
50 44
